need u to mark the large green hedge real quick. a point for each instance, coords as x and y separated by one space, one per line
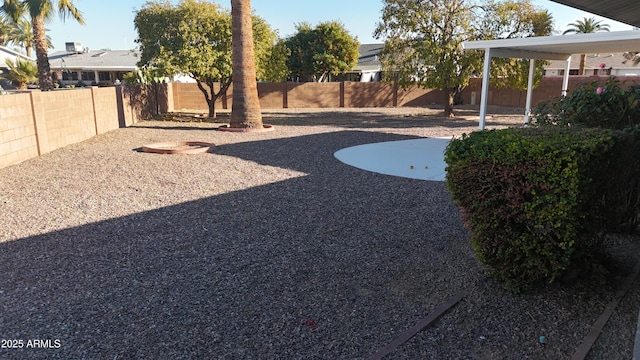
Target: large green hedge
537 199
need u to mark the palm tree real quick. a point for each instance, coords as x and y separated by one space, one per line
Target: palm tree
245 110
40 12
21 73
542 23
585 26
6 27
22 36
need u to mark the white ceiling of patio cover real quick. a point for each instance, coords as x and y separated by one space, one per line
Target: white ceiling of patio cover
560 47
626 11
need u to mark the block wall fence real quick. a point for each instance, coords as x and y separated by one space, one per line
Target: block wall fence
34 123
187 97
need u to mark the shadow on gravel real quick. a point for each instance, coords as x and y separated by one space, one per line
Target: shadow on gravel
301 268
331 265
371 118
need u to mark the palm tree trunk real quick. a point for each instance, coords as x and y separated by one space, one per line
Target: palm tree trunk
245 110
583 64
40 41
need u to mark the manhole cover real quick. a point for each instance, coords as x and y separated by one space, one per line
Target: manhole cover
178 147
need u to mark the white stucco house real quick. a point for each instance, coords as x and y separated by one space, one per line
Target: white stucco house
597 64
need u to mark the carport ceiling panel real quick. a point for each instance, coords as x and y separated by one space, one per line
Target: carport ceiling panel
625 11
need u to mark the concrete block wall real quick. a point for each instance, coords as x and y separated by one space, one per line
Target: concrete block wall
65 116
18 140
35 123
314 95
104 103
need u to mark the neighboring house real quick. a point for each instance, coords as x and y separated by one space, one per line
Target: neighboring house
369 67
8 54
615 64
92 67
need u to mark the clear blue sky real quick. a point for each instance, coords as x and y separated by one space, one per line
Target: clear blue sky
110 23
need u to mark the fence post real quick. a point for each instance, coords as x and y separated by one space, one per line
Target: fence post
285 95
39 122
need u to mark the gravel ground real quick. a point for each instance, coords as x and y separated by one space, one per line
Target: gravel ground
269 248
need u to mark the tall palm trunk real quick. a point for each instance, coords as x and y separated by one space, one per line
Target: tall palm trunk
245 111
583 64
40 41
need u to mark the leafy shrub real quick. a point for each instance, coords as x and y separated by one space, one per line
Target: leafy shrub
593 105
536 199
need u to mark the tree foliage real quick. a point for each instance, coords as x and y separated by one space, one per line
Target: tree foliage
21 35
317 52
423 40
21 73
586 26
194 38
6 27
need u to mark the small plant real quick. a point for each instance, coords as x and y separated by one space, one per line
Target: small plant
593 104
21 73
144 76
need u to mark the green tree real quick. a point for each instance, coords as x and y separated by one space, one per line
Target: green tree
41 11
514 19
317 52
194 38
21 73
274 67
423 40
585 26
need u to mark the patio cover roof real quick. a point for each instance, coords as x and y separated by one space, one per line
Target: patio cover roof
626 11
549 48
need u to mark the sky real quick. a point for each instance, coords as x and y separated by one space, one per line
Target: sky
109 24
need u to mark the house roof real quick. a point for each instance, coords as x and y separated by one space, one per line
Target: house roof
368 59
105 60
626 11
6 53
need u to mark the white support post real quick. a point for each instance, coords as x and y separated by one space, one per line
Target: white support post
484 92
527 110
565 80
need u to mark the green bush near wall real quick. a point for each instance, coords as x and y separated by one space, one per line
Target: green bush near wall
537 200
595 104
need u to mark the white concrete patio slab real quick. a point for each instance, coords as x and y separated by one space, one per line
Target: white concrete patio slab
421 159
